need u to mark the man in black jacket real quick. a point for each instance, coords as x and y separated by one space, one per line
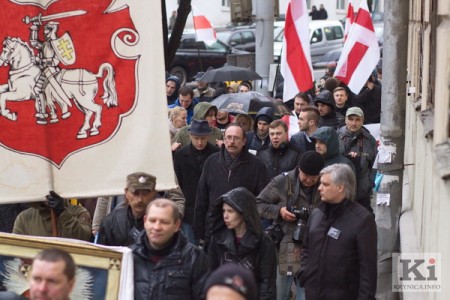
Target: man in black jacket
223 171
279 157
327 110
188 164
259 138
122 226
339 257
166 265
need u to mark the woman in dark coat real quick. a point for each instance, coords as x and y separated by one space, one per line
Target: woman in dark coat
237 236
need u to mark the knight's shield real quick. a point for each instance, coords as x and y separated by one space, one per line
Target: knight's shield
64 49
77 150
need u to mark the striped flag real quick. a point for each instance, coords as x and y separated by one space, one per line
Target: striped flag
204 31
360 54
296 65
349 19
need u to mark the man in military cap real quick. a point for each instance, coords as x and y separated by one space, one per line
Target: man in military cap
122 226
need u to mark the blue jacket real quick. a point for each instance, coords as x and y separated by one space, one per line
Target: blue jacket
190 109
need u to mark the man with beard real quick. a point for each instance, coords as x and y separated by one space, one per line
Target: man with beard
223 171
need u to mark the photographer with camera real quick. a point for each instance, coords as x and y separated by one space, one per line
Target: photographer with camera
287 200
360 147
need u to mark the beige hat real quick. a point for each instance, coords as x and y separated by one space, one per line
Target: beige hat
354 111
140 181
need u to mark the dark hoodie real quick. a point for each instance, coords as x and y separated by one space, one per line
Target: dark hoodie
171 99
254 142
255 251
333 119
330 137
200 113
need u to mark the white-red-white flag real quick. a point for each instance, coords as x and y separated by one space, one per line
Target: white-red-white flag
349 19
360 54
204 31
296 65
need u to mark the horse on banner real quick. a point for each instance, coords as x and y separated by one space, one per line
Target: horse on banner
80 85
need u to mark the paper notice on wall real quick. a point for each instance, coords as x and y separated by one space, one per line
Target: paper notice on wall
383 199
385 154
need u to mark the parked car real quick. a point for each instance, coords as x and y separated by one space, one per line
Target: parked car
329 59
193 57
241 38
324 36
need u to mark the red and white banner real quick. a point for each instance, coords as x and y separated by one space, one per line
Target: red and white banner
296 65
349 19
81 97
360 54
204 31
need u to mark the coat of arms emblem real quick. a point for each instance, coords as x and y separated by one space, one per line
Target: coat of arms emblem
64 85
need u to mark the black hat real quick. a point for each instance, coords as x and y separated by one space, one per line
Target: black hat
311 163
200 127
236 278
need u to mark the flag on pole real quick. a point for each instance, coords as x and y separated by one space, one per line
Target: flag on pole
349 19
296 65
204 31
360 54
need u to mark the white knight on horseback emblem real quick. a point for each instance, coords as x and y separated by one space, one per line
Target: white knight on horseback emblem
44 78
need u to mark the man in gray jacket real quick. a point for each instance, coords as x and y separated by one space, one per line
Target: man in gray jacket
287 200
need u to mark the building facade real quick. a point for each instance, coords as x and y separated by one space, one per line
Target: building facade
425 221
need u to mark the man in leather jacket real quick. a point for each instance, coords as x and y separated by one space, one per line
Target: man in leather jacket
166 265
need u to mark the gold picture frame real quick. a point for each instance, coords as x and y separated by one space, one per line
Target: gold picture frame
98 274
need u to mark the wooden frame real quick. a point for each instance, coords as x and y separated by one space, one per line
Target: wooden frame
97 266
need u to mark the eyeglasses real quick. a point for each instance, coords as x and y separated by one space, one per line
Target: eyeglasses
232 138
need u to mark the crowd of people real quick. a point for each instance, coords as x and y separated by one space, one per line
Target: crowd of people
266 206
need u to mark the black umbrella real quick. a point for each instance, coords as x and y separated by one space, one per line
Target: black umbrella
249 103
229 73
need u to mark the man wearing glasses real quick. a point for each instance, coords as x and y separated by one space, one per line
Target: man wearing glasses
223 171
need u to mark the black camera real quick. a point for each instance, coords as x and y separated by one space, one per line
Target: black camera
275 231
302 216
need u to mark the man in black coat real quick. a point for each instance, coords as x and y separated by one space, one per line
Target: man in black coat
188 164
223 171
166 265
327 110
339 257
279 157
122 226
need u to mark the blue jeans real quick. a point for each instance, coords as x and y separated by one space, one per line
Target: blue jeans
188 233
284 284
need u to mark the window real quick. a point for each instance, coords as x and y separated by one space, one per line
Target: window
333 33
226 3
340 5
317 36
248 37
235 39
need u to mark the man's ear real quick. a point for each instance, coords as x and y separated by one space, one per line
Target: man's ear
178 225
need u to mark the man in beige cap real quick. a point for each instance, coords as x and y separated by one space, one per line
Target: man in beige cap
122 226
360 147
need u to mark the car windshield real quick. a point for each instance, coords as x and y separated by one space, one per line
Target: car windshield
280 36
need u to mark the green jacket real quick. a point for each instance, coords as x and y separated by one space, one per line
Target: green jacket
74 222
200 113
